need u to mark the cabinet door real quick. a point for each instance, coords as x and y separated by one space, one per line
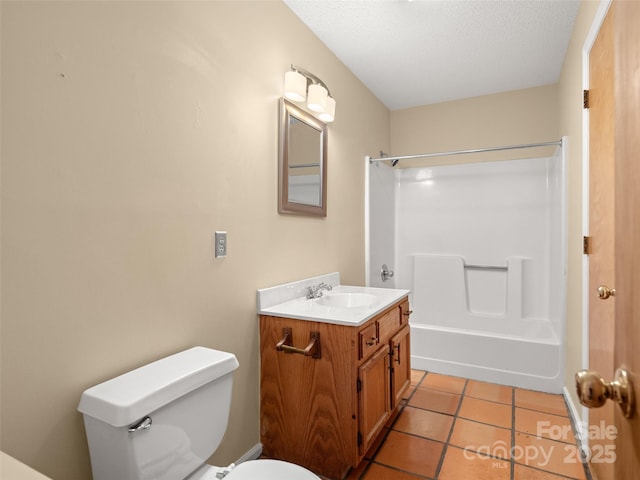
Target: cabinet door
400 365
374 409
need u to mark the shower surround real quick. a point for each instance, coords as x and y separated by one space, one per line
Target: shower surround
482 248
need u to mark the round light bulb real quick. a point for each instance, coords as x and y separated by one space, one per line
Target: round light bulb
295 86
330 111
317 98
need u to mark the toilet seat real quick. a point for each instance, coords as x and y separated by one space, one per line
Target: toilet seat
270 470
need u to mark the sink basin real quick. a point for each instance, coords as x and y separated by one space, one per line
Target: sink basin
348 305
347 300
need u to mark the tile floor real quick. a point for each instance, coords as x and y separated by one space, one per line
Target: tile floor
451 428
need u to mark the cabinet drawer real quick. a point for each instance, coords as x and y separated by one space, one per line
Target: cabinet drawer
368 340
405 312
388 324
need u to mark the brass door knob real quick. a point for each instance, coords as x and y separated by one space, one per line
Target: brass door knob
605 292
593 391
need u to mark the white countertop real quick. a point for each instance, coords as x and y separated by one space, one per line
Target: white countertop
315 309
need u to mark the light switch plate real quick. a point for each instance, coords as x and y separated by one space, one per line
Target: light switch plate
221 244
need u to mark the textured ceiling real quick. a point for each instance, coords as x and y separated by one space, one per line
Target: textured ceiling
412 53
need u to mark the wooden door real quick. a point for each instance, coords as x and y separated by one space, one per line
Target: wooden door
400 365
622 128
601 230
374 397
627 220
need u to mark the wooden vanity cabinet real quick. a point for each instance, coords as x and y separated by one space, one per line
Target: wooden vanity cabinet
325 413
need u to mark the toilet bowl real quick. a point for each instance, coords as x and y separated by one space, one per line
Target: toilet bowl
259 469
163 420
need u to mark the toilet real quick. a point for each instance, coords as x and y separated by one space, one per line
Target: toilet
163 421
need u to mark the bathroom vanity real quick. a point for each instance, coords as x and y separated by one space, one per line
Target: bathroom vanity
333 372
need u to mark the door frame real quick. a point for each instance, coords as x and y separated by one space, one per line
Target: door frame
590 39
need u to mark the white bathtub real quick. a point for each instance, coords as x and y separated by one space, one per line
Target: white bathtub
533 360
484 326
482 247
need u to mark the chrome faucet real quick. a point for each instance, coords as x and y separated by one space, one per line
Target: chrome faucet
315 291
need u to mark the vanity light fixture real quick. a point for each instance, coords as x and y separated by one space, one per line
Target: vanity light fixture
316 97
295 86
329 110
303 86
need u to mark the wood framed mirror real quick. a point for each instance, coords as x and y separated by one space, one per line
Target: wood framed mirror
302 162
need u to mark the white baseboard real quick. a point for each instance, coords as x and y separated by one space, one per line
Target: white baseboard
579 426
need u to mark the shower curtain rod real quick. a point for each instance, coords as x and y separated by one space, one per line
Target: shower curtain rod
460 152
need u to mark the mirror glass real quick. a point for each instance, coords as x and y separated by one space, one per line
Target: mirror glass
302 162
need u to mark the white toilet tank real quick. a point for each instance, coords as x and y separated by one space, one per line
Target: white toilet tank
161 421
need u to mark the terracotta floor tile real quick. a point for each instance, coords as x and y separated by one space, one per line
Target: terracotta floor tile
407 394
411 454
380 472
548 455
444 383
544 425
525 473
442 402
464 465
417 376
478 437
543 402
489 391
486 412
424 423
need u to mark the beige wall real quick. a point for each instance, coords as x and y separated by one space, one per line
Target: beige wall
570 94
510 118
131 131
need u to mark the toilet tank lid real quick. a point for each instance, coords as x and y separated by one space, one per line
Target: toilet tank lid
129 397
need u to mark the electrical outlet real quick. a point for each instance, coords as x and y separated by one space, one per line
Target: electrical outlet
221 244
